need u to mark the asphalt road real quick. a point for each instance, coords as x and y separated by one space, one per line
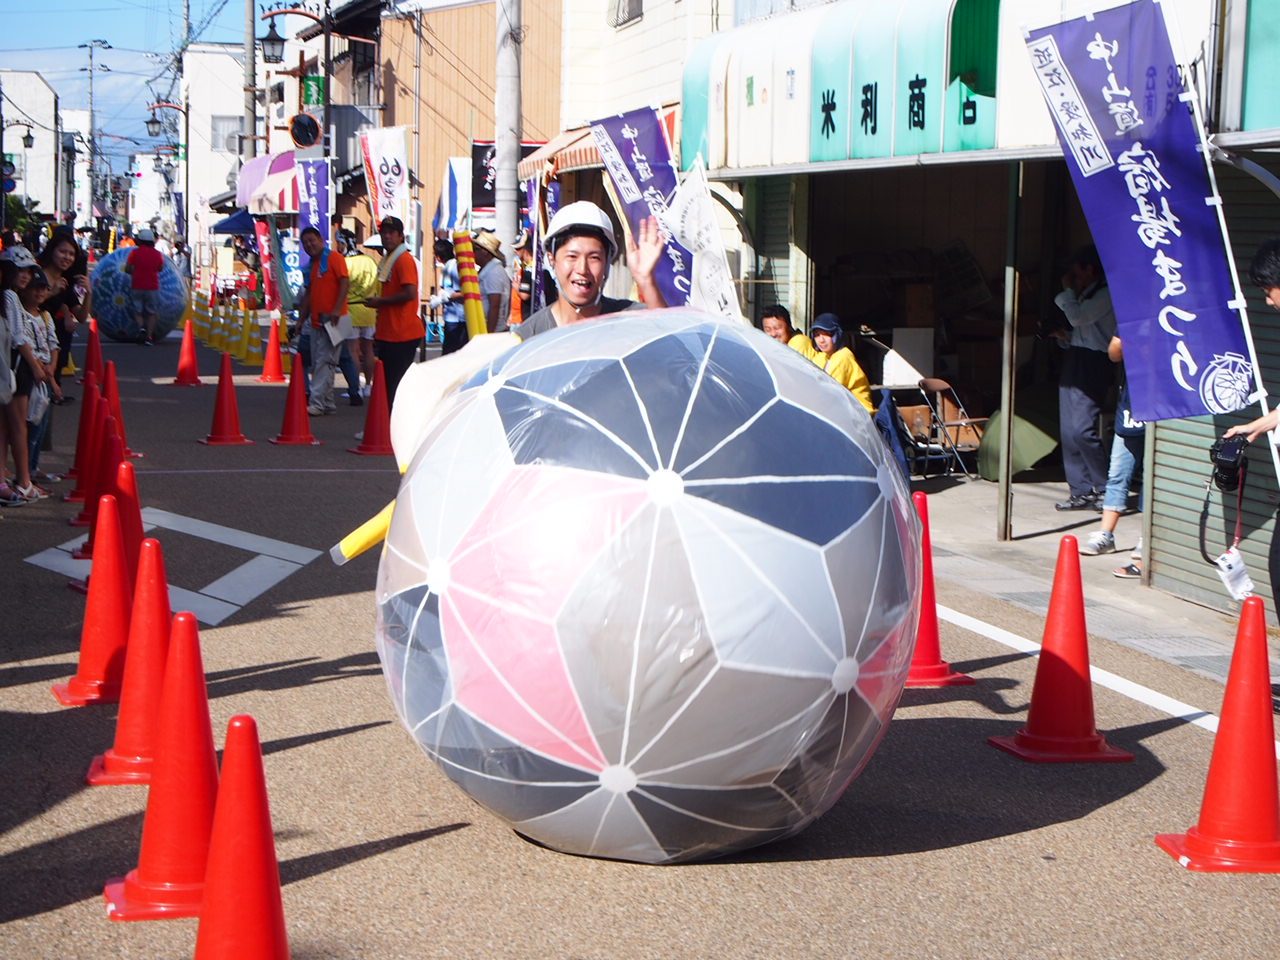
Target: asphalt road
943 848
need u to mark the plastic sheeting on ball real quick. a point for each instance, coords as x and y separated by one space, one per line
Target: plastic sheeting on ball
113 297
650 590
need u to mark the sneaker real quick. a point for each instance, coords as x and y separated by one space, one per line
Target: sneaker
1137 551
47 477
1081 501
1103 541
356 400
360 435
1130 571
316 411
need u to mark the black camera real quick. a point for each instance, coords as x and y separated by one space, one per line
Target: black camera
1227 457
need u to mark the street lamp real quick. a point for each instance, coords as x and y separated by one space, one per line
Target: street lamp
153 126
272 45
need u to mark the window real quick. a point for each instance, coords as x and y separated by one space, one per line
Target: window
224 134
625 11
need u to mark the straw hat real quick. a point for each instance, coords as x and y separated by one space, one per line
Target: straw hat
489 241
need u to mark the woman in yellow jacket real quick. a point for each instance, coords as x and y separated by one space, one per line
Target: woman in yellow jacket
839 361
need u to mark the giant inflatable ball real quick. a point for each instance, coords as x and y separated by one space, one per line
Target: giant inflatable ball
650 589
113 297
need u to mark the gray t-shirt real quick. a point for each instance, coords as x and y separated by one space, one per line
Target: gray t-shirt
544 320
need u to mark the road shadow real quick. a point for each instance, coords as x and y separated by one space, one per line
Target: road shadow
936 783
300 868
293 673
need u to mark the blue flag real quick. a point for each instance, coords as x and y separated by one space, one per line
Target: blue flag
1135 155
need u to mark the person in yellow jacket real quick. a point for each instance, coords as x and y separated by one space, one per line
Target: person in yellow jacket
838 360
776 322
363 274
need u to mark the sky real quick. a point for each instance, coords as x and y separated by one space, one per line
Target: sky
44 35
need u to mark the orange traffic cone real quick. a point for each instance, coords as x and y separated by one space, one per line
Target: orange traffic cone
105 633
130 757
90 485
169 878
226 414
130 510
93 353
83 470
188 370
296 428
1239 828
928 669
242 917
271 365
104 483
112 393
1060 726
377 419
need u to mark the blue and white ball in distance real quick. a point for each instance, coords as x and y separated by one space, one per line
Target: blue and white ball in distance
650 589
113 297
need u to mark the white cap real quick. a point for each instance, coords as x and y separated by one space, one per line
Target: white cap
580 213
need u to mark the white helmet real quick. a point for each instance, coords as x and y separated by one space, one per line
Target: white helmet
580 214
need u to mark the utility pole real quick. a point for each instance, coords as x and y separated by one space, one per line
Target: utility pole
506 111
248 140
93 45
186 123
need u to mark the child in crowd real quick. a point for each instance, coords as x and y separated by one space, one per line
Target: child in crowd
19 268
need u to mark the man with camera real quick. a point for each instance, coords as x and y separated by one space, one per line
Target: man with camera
1227 454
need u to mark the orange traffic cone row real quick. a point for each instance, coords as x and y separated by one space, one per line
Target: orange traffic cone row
105 633
93 353
130 757
110 456
91 485
296 428
188 370
111 391
130 510
1239 828
85 436
1060 726
377 419
242 917
271 365
226 414
169 878
928 669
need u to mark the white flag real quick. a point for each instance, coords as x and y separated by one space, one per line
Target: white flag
691 219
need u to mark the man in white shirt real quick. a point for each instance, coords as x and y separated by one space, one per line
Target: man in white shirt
495 283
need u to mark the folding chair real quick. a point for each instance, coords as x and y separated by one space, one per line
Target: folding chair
951 427
918 451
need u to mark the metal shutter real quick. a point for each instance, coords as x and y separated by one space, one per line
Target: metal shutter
772 229
1181 446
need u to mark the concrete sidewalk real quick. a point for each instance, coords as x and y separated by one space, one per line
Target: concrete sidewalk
962 518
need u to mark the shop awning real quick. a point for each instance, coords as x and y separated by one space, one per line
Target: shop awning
864 80
238 222
576 149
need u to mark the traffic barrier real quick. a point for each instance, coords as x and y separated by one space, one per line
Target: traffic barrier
240 338
93 352
215 326
253 356
110 456
226 414
296 428
84 438
377 420
130 757
105 632
928 669
201 322
188 369
69 368
1239 826
169 878
1060 725
111 390
242 917
129 507
272 367
469 281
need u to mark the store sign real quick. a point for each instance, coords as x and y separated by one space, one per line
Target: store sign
1138 163
312 91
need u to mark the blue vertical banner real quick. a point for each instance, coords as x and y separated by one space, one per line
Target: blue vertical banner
633 147
1135 155
313 200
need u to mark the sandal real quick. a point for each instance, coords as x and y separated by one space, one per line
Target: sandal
47 477
1129 571
9 497
32 493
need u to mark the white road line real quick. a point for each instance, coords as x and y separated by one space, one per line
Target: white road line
206 609
229 536
251 579
1103 678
